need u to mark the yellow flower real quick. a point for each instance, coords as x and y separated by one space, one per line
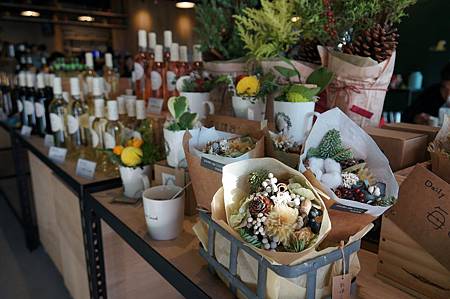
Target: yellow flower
137 142
248 86
118 150
281 223
131 156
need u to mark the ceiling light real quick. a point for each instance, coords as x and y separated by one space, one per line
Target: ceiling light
30 13
295 19
86 19
185 4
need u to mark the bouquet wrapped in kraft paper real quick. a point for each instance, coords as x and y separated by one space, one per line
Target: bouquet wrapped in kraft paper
208 150
440 152
223 207
349 165
360 85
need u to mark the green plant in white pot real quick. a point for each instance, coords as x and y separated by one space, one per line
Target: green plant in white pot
294 106
175 128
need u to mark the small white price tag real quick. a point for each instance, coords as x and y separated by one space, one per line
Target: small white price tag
250 114
49 141
168 179
155 105
85 168
26 131
57 154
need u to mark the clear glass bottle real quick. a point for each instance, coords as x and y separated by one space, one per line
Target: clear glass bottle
76 122
172 72
97 134
58 112
158 75
88 77
111 78
40 106
144 128
113 129
197 59
30 100
122 108
141 67
22 97
130 124
183 66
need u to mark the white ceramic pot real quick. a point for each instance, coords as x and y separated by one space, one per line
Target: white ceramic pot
174 147
249 109
163 215
199 103
294 119
135 180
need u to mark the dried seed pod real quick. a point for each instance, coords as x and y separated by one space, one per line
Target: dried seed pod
305 207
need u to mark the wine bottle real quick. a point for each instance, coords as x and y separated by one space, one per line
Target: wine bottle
30 100
172 71
197 59
122 109
167 45
40 106
88 77
130 124
22 98
58 111
97 134
158 75
77 121
151 45
113 129
144 129
183 68
141 68
111 78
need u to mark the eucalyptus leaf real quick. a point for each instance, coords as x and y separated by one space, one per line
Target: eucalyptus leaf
320 77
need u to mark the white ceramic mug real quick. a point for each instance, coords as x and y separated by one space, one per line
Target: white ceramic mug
199 103
294 119
249 109
135 180
164 216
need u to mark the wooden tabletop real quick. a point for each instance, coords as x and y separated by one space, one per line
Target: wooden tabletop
183 253
69 165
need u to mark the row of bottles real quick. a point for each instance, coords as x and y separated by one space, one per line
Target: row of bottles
157 67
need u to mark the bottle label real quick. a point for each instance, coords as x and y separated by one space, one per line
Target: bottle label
56 122
156 80
95 138
19 106
72 124
29 108
109 140
40 110
138 71
171 80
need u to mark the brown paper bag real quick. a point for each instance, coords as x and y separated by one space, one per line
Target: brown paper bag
360 85
206 176
290 159
440 161
277 287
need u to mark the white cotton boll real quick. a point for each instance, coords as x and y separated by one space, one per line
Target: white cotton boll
332 180
316 163
331 166
317 172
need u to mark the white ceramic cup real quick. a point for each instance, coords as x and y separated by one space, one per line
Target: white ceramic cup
298 115
199 103
164 217
252 110
135 180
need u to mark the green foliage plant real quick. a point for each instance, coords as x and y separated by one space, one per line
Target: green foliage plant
182 118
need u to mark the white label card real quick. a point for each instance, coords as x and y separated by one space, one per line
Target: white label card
168 179
57 154
26 131
155 105
85 168
49 141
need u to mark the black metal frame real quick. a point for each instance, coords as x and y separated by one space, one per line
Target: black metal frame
90 224
170 273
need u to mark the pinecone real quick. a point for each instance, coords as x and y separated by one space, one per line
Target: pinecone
308 51
260 204
378 42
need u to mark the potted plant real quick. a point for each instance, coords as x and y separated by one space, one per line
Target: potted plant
249 98
196 89
175 128
295 103
134 158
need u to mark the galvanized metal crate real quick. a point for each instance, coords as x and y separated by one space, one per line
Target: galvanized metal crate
309 267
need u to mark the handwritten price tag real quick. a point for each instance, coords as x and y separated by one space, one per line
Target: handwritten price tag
341 286
25 131
155 105
57 154
48 140
85 168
